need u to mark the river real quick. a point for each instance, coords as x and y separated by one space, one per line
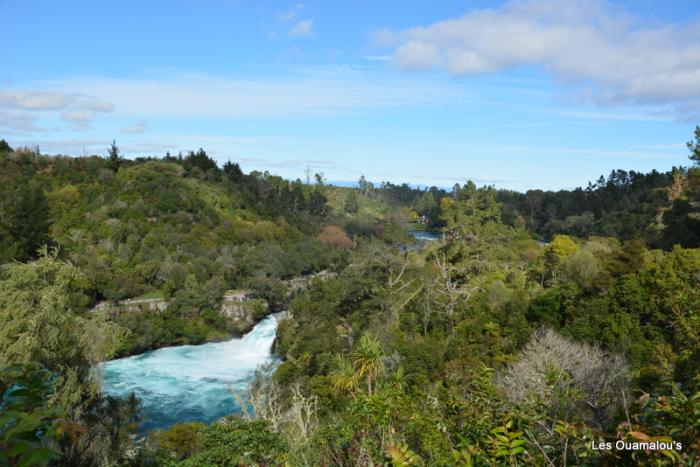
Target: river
190 382
426 235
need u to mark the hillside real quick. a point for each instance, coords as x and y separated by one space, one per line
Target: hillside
486 347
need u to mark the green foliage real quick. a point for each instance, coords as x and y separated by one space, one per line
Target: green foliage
694 147
114 160
228 442
625 205
25 222
367 359
507 445
183 439
427 206
27 424
41 320
351 204
414 356
4 146
402 456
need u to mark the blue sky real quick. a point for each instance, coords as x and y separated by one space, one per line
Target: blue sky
524 94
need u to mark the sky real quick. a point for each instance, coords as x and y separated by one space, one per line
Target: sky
518 94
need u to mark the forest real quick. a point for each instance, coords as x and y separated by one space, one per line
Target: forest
540 326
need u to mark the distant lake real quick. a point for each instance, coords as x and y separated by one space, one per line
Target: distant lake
190 382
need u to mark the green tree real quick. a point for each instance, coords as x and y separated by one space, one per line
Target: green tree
42 320
4 146
27 221
318 203
351 204
682 220
426 205
199 161
114 160
233 171
694 147
368 359
343 375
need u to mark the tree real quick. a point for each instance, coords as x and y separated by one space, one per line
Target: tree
682 220
368 359
365 186
41 320
114 160
199 161
694 147
561 247
320 179
233 171
27 221
4 147
343 375
335 236
351 204
317 203
426 205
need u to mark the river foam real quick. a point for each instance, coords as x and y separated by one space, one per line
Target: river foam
190 382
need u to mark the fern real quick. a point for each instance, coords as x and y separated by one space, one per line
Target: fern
402 456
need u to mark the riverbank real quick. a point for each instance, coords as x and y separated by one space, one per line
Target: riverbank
195 317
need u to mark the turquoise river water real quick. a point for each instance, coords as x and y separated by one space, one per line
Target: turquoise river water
190 382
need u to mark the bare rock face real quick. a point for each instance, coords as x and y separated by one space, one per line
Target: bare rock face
239 306
302 282
242 310
136 304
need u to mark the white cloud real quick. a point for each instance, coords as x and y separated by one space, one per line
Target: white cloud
78 109
51 100
378 58
19 120
93 104
302 28
137 127
78 115
605 54
34 100
80 120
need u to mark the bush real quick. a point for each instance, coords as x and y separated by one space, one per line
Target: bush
568 380
335 236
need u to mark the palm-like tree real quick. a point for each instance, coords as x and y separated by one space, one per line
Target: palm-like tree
343 375
367 358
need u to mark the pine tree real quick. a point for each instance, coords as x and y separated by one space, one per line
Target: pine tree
233 171
694 147
113 158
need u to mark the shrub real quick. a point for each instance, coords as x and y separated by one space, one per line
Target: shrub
335 236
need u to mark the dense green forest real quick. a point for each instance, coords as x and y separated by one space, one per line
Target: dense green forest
541 325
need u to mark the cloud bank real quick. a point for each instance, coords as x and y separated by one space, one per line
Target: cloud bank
602 53
18 109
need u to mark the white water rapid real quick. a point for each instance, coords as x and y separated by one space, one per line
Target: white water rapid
190 382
